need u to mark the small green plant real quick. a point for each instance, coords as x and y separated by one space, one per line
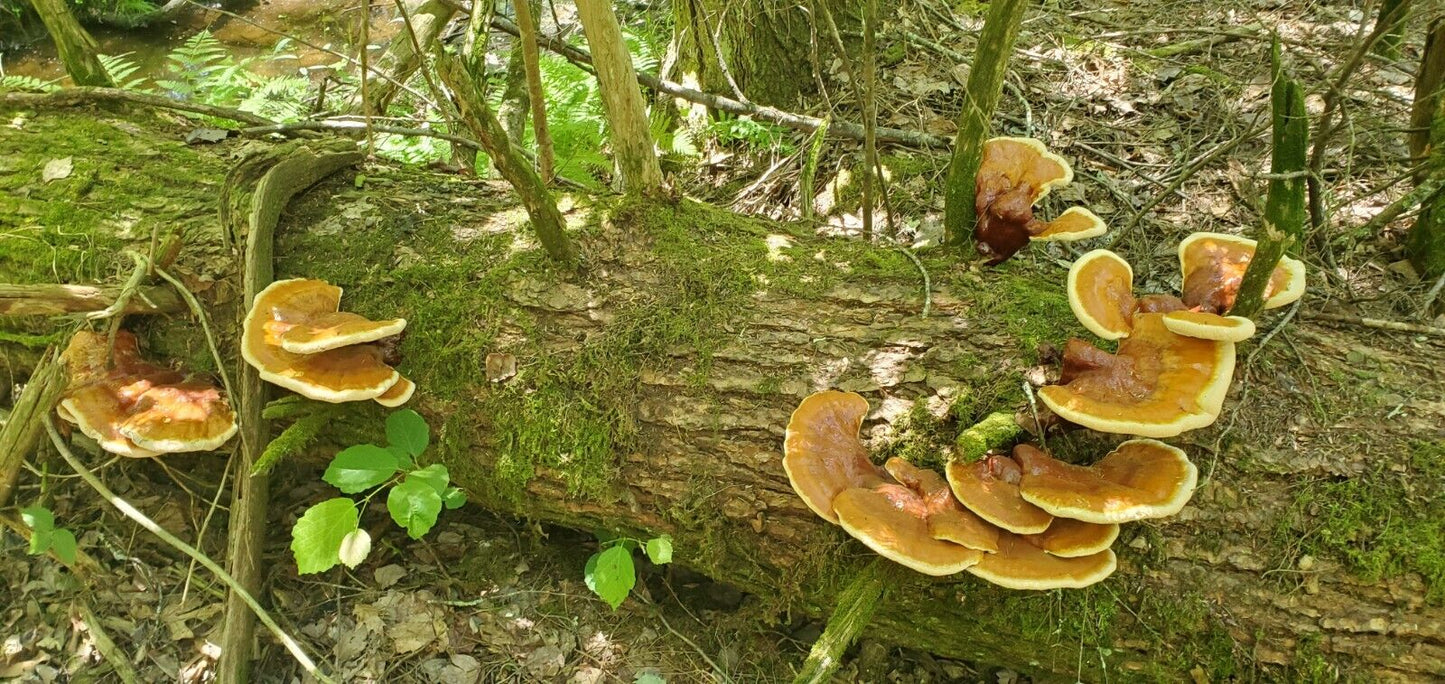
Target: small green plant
610 572
330 532
45 536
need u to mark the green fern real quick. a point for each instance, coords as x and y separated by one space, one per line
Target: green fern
121 69
27 84
283 98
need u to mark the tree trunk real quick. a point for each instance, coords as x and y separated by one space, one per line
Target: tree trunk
400 61
622 98
651 400
763 47
1425 243
1428 82
78 50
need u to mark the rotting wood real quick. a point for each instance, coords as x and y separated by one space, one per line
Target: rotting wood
54 300
25 426
294 169
71 97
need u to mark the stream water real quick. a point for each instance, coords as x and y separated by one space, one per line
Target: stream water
247 29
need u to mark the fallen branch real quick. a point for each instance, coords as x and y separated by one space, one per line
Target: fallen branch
55 300
21 431
852 613
1423 191
141 519
73 97
293 170
1376 323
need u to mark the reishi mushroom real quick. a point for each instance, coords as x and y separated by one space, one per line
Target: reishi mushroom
1013 175
916 522
1213 265
822 453
135 408
1139 480
990 488
296 337
1159 384
1022 565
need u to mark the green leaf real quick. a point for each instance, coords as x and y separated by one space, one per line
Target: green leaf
454 498
649 678
359 468
435 475
40 541
414 504
38 518
659 549
407 429
610 575
62 542
316 538
355 547
403 458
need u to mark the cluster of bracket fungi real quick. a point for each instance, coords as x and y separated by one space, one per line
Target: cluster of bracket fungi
1027 520
295 336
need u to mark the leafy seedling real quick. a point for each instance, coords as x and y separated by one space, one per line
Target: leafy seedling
330 533
45 536
611 574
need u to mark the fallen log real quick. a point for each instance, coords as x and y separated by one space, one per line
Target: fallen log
50 300
653 389
653 384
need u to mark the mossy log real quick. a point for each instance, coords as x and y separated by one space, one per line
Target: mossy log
654 383
655 386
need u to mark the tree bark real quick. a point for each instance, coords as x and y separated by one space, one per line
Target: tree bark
1425 243
1224 585
532 61
1428 82
759 47
626 112
78 51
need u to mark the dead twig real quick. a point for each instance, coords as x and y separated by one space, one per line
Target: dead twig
1376 323
73 97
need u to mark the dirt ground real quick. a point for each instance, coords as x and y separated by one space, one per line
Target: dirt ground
1159 104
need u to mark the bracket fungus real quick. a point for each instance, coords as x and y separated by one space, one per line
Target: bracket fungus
1159 384
137 409
916 522
1141 479
296 337
990 488
1069 538
1019 564
1013 175
1213 265
822 453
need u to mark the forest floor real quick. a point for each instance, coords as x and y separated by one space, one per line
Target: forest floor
1164 125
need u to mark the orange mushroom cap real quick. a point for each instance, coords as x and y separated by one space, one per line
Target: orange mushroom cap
287 308
1069 538
1021 565
138 409
399 394
1213 265
1159 384
1101 293
822 453
1076 223
1013 175
989 487
916 522
1139 480
1208 326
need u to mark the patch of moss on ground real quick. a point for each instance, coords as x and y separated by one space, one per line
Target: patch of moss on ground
1381 524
